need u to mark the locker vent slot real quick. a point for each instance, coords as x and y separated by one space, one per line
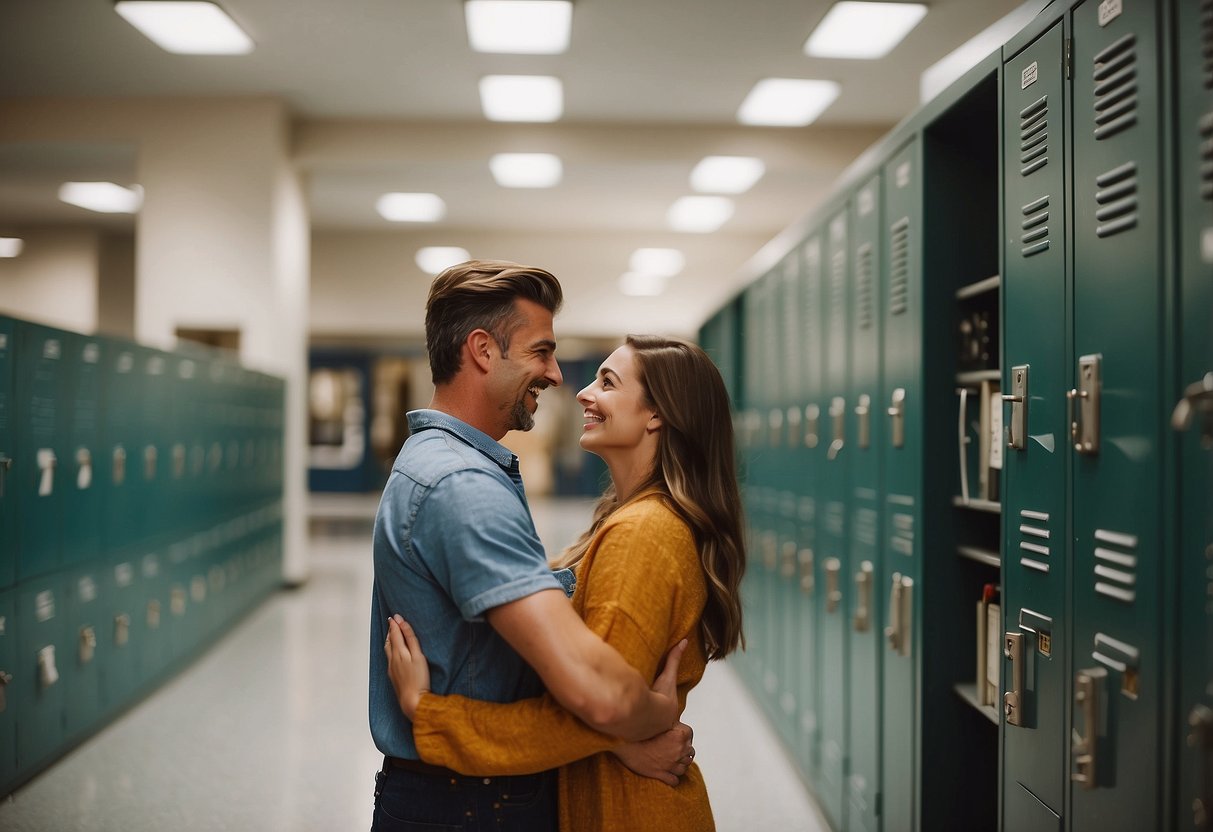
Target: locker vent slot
865 299
1034 540
1115 76
865 526
838 288
1206 146
1035 237
1206 40
902 538
835 519
1116 565
1116 197
1034 136
899 273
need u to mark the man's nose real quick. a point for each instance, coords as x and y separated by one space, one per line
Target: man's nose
554 376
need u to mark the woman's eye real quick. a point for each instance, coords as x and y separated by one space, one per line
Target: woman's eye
606 382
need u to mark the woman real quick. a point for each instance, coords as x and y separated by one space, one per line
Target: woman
661 561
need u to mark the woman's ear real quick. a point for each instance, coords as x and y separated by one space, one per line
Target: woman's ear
654 424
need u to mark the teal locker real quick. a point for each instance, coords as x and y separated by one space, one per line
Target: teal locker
810 459
41 465
41 676
902 463
121 632
1036 315
86 651
154 606
864 617
788 363
9 672
119 466
183 379
82 488
155 442
1118 660
1193 722
833 561
8 450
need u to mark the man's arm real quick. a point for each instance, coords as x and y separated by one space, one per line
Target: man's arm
582 672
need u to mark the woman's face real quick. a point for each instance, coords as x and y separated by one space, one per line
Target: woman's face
617 415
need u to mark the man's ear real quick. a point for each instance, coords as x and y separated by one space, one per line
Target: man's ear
479 346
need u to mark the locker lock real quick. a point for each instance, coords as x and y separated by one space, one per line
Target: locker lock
1197 400
1017 427
1084 416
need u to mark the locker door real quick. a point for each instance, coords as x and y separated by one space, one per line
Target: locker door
790 475
901 522
811 456
1035 295
87 651
833 568
122 632
864 618
8 450
41 386
154 448
119 465
41 676
81 487
8 684
1194 39
1117 392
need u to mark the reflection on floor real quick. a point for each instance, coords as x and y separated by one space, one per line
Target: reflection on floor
267 730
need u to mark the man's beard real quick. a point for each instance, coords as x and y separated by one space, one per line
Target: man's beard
521 418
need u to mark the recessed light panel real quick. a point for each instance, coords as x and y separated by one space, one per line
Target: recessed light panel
663 262
405 207
103 197
186 27
726 174
530 27
786 102
435 259
699 214
521 97
863 30
526 170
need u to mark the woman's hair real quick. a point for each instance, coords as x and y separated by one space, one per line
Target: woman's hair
696 469
480 294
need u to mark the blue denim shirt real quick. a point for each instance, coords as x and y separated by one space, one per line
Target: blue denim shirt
453 538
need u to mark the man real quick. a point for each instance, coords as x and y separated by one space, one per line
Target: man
457 554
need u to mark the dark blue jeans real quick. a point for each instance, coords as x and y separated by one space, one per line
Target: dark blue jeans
406 801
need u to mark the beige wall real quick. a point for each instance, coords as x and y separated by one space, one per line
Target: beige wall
55 279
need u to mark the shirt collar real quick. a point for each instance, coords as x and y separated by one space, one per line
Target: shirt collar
420 420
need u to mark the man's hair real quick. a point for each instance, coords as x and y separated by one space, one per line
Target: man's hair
480 294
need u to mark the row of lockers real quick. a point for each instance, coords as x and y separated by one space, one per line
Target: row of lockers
975 407
106 445
140 514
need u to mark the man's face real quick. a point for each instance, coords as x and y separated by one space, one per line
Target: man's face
528 367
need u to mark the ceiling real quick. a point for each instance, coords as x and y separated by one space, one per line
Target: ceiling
651 86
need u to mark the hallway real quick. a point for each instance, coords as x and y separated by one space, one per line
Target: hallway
267 729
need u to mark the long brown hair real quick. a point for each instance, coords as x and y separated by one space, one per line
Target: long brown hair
696 468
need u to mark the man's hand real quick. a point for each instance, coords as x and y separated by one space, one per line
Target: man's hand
406 665
665 757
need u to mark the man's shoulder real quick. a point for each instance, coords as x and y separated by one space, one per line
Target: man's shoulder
433 455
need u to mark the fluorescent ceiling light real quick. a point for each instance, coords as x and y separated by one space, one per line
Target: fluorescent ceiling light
435 259
399 207
11 246
661 262
726 174
531 27
186 27
699 214
863 30
526 170
641 285
521 97
786 102
105 197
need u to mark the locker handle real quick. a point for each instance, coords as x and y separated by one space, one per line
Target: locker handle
1012 700
838 413
1197 399
122 629
807 578
812 417
5 679
863 415
962 441
88 644
897 412
833 568
48 673
787 566
1017 427
1200 720
863 594
1085 748
6 462
900 608
1084 417
119 465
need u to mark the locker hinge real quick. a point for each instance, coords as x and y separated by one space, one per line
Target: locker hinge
1068 58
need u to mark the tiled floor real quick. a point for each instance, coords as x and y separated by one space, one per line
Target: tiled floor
267 730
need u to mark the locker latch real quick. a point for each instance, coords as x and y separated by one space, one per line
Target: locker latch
153 615
1012 701
119 465
88 644
807 578
897 412
5 679
48 673
1084 419
1200 737
1085 747
1197 401
838 419
1017 427
863 598
901 607
863 418
122 629
833 568
812 421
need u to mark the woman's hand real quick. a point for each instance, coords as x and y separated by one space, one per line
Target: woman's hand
665 757
406 665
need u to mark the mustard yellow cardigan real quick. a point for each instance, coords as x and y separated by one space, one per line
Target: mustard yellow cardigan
642 589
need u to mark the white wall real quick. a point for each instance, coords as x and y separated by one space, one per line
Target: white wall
55 279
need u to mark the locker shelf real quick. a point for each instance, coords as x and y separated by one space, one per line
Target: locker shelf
978 376
986 556
980 287
978 505
968 692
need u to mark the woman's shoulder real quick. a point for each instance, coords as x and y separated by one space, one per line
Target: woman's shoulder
651 513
